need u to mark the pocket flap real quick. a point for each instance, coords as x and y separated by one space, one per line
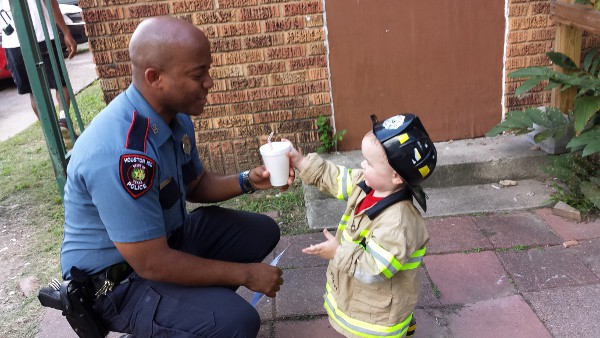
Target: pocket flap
372 298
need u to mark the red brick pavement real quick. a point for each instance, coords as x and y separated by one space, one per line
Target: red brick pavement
493 275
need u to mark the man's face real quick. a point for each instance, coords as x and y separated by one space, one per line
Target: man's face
188 80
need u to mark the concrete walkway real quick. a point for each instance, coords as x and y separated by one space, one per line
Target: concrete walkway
493 275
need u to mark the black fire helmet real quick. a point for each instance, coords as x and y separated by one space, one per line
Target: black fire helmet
409 150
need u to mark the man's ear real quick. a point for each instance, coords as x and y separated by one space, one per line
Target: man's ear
152 77
397 179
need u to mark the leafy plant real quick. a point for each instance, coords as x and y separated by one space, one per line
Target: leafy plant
328 138
584 120
578 171
581 181
555 124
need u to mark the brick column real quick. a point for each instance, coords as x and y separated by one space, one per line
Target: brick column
269 68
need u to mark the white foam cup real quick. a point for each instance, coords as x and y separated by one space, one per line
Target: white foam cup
277 163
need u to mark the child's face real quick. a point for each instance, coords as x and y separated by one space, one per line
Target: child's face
379 175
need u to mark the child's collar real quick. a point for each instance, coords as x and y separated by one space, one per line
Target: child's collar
398 196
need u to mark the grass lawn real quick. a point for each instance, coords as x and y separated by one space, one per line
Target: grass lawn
31 217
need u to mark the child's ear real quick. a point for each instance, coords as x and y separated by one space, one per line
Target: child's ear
397 179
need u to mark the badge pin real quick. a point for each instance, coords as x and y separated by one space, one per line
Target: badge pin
186 144
154 129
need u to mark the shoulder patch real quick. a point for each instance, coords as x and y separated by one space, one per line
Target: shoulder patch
137 174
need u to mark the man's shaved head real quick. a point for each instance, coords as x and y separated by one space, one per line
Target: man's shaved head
171 61
158 41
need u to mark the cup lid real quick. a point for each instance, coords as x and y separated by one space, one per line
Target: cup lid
277 149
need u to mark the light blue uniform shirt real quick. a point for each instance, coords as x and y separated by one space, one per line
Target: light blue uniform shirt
103 204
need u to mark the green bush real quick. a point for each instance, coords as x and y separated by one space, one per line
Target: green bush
579 171
583 120
581 181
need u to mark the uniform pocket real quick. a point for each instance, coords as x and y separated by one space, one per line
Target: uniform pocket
169 193
189 172
162 316
369 306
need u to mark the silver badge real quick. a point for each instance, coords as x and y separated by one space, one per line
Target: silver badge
186 144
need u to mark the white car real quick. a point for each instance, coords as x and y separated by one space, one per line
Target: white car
74 20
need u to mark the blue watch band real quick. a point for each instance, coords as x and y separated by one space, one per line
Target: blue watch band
241 180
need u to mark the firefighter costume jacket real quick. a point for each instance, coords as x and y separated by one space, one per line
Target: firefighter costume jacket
373 281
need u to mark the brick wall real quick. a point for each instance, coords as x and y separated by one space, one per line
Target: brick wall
270 65
269 68
531 34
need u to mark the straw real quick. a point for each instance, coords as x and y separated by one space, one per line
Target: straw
269 139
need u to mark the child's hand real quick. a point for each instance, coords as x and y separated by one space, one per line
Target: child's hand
296 158
324 249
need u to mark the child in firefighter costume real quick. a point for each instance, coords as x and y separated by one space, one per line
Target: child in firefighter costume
373 278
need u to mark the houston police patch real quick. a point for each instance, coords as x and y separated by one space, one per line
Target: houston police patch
137 174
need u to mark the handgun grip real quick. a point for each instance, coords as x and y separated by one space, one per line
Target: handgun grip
50 298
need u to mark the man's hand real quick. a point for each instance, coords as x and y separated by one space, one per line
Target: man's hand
325 249
60 22
259 177
155 260
71 45
264 278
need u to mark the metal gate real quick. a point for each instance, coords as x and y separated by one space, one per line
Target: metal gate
39 83
442 60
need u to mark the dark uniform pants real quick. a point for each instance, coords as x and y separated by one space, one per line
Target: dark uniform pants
152 309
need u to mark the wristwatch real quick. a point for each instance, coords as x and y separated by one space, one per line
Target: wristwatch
245 183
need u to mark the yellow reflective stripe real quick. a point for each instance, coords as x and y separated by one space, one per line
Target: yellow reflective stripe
349 185
340 182
388 265
343 222
417 155
403 138
344 181
358 327
348 238
386 262
415 259
424 171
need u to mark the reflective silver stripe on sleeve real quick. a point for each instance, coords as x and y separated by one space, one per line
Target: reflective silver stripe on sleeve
345 184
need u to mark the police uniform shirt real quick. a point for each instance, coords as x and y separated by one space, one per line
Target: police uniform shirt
126 182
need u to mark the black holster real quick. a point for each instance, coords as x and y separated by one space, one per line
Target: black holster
75 298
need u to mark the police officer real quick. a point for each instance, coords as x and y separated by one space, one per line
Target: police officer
129 177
